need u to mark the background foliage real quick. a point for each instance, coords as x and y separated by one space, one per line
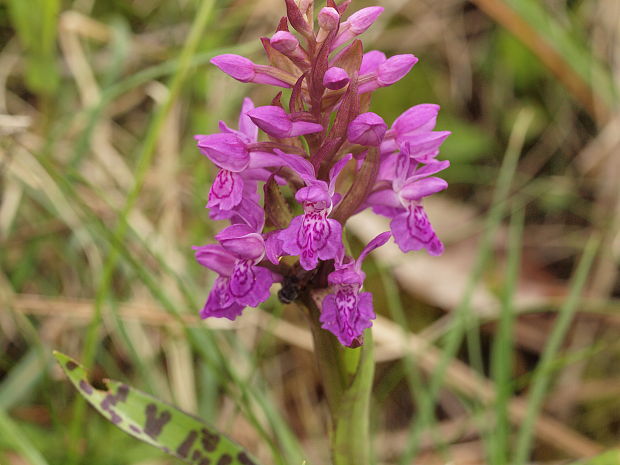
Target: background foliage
503 350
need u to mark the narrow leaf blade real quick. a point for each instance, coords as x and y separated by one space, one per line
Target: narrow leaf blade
155 422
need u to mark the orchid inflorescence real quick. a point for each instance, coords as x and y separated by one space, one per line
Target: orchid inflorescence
337 158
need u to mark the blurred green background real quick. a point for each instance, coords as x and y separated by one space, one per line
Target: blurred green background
508 350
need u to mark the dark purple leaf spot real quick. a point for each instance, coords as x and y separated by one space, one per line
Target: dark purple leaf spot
205 461
135 429
155 422
71 365
105 403
243 458
115 418
165 450
225 460
87 388
122 393
112 399
196 456
209 440
186 445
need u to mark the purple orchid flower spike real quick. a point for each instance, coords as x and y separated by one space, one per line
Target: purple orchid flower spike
307 136
240 281
347 312
313 235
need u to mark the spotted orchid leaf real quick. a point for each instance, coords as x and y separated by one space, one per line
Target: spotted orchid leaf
155 422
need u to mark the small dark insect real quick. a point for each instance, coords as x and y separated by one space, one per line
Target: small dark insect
290 289
293 284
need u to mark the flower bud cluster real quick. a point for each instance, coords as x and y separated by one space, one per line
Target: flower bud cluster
336 156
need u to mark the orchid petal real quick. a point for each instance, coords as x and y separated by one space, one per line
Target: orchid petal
336 170
216 258
246 125
372 245
422 188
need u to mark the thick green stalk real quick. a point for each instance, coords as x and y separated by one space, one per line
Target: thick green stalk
347 376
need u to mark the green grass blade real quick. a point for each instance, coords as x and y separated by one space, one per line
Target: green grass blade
155 422
12 435
22 377
37 35
544 370
501 356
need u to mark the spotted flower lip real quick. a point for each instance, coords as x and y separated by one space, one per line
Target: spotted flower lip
403 204
313 236
347 312
240 281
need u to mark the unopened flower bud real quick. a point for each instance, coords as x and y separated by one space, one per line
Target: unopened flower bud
367 129
357 24
364 18
335 78
278 123
386 72
328 18
416 119
395 68
371 61
284 42
236 66
244 70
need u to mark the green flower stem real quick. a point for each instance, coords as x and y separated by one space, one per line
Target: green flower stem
347 376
